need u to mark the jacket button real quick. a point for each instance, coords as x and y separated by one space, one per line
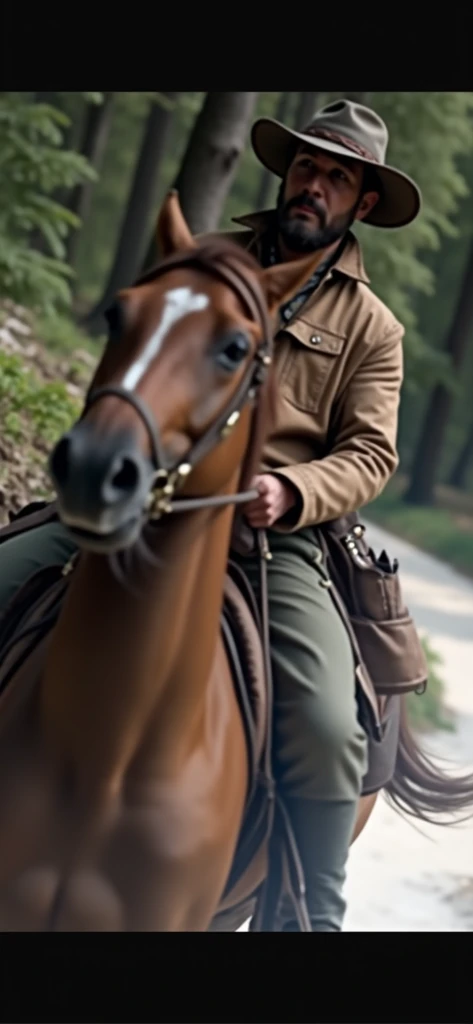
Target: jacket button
315 339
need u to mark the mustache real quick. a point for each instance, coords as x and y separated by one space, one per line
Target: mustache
310 202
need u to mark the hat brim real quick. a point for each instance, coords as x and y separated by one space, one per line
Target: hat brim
400 201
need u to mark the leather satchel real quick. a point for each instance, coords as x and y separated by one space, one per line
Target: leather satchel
382 629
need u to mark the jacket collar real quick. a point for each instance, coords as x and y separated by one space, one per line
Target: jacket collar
350 262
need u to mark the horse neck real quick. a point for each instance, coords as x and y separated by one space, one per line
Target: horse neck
117 663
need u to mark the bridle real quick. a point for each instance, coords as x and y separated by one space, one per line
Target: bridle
169 478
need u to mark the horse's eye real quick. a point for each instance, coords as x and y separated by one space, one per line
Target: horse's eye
114 318
232 351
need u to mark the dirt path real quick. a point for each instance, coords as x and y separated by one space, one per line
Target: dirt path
410 877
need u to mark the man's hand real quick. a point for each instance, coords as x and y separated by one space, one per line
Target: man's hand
275 499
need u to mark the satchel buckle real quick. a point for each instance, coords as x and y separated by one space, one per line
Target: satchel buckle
354 551
69 565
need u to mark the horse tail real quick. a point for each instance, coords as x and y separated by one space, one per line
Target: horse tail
422 790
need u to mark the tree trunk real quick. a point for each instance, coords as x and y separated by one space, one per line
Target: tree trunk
309 102
129 251
204 161
267 177
457 477
212 156
429 446
98 120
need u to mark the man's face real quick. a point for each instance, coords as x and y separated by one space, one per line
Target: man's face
319 199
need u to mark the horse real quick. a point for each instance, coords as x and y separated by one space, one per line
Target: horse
136 790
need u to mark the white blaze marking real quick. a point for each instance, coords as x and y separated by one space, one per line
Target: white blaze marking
178 303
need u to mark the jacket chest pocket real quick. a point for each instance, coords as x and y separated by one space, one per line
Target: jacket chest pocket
312 366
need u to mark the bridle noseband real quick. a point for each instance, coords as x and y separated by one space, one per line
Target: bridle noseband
168 479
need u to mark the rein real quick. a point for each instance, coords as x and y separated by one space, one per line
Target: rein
168 479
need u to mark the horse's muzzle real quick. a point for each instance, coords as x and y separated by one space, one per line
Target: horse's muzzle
102 485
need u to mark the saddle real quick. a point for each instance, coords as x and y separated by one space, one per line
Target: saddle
266 835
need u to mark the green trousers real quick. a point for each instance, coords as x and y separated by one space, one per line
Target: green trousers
319 746
320 749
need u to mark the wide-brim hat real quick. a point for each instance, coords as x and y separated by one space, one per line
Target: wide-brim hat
348 129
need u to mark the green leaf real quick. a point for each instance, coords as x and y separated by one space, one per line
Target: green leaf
94 97
33 166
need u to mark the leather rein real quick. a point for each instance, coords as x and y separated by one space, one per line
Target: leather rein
167 479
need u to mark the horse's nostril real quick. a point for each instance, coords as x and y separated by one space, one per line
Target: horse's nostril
96 477
125 479
59 463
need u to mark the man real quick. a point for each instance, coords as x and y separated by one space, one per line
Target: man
338 362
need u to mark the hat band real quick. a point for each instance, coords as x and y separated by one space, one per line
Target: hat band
341 140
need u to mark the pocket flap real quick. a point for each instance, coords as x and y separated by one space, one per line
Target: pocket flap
393 654
316 338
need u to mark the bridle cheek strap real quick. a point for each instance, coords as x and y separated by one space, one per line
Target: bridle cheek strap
169 478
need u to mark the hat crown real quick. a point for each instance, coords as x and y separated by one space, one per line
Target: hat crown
352 125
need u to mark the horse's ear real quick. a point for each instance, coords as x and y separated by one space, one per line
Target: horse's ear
172 231
281 282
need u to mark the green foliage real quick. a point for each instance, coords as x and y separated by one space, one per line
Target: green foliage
434 315
52 410
163 101
99 236
31 408
33 165
62 335
429 134
93 97
426 711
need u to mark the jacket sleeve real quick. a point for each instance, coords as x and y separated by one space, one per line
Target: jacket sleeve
364 455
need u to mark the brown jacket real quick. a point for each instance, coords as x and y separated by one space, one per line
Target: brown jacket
339 364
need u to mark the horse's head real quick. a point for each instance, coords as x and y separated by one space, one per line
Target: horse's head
171 401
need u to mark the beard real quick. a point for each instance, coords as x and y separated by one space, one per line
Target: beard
303 236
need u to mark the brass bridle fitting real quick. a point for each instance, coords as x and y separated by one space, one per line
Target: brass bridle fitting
165 486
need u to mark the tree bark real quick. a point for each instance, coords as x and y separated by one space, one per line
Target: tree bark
457 477
96 131
309 102
429 446
212 156
198 185
129 251
267 177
